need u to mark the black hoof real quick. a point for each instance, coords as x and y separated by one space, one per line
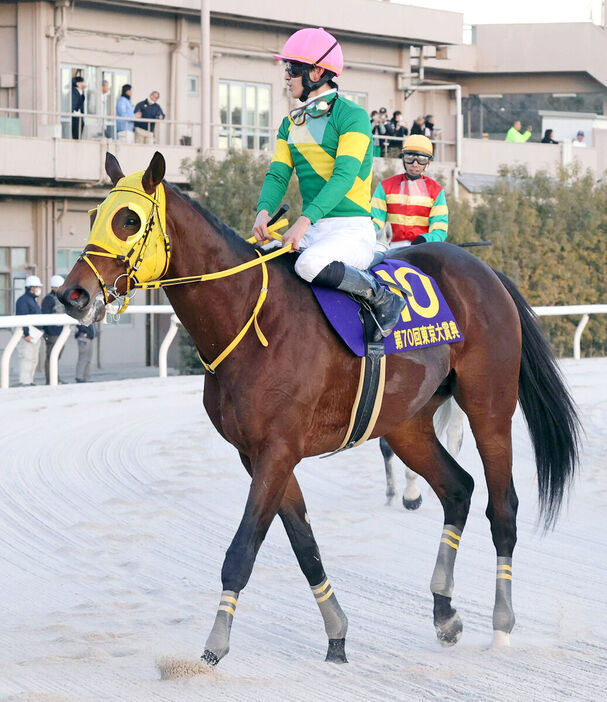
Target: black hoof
412 504
336 653
210 658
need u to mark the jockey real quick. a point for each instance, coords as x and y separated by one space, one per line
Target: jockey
413 204
328 142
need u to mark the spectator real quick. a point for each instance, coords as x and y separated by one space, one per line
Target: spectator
144 131
397 129
78 88
429 126
84 337
51 305
579 140
514 133
124 108
418 126
107 129
548 137
29 346
378 128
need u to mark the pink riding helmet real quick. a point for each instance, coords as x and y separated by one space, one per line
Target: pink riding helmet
316 47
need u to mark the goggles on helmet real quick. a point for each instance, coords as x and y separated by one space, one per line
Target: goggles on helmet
411 158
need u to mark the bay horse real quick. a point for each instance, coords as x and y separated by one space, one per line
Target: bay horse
293 399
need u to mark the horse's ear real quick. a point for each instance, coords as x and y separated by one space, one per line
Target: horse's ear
112 168
154 173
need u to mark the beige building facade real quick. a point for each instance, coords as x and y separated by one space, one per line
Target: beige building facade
399 57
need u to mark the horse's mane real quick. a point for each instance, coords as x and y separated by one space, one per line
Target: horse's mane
217 224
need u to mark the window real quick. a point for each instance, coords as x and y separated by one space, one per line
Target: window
65 260
244 113
193 86
358 98
12 276
96 101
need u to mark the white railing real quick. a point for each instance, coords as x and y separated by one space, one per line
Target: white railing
17 322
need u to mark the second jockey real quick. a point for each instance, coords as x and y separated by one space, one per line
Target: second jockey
327 140
413 204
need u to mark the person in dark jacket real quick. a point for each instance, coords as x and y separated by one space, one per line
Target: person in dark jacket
418 126
84 337
144 131
397 129
78 88
548 137
29 346
51 305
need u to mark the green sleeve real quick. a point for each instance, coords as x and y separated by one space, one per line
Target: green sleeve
438 223
354 147
379 208
277 178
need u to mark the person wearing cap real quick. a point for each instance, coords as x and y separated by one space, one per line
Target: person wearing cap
411 203
51 305
579 142
29 346
327 141
515 134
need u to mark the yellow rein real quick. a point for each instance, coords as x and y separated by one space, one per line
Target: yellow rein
272 230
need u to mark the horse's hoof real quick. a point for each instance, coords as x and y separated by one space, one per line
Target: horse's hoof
336 653
500 639
412 504
389 499
209 658
450 630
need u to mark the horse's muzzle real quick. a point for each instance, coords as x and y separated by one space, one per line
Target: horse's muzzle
78 304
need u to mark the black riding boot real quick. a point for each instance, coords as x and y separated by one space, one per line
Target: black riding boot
385 305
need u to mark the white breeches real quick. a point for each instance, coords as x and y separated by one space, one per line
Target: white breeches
350 240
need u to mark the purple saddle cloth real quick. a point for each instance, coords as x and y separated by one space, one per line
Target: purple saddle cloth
426 320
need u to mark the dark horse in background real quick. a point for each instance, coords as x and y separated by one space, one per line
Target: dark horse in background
293 399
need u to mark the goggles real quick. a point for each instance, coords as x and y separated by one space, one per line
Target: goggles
295 69
411 158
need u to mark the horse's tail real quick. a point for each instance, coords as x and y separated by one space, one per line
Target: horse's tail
548 408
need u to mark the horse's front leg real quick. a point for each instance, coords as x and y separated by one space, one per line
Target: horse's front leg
270 472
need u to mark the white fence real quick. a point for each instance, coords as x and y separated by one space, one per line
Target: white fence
17 323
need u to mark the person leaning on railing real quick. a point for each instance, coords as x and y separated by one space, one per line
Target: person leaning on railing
515 134
411 204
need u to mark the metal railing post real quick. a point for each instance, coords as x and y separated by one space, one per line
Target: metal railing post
164 347
54 357
6 357
577 337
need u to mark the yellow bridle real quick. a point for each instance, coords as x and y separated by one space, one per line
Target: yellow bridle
147 253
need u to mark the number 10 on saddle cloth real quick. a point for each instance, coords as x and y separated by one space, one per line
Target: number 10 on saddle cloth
425 321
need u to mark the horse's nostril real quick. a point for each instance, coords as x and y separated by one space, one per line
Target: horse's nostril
74 295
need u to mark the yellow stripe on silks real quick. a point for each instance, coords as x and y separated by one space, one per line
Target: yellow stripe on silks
282 153
227 608
439 225
321 588
413 200
317 158
361 380
325 597
504 576
378 222
233 600
448 532
379 203
505 567
359 193
353 144
449 543
407 220
439 210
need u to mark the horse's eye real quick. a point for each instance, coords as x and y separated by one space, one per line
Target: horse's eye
131 222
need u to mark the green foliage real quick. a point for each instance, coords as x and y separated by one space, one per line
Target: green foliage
550 236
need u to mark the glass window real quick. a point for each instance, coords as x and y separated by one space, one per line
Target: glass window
358 98
5 293
244 110
192 85
18 257
4 262
12 276
65 260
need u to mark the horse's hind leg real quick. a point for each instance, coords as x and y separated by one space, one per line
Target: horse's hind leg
415 443
388 455
493 439
297 525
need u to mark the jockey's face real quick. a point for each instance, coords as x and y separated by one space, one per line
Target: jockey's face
415 168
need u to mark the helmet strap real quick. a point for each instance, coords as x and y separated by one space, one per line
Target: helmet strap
310 85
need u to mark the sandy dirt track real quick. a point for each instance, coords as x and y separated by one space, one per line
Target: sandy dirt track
119 499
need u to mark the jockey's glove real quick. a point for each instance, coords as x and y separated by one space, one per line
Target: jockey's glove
421 239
